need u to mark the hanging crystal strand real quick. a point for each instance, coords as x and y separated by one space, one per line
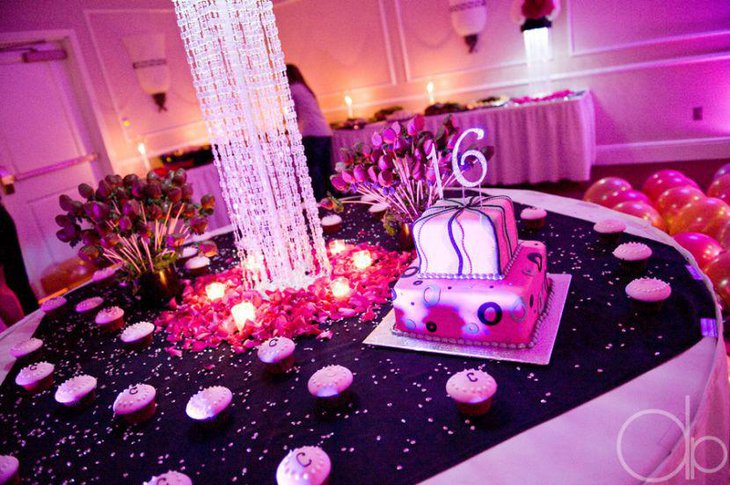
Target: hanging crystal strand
239 76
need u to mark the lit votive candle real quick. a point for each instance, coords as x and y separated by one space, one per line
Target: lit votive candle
242 313
337 246
215 291
340 287
362 259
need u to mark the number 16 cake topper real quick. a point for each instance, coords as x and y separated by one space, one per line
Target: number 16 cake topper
457 161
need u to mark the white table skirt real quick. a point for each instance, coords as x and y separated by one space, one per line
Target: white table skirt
538 142
205 181
580 446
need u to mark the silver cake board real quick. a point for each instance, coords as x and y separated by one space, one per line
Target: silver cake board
540 353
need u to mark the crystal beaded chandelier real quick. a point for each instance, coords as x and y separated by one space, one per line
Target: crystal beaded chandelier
238 71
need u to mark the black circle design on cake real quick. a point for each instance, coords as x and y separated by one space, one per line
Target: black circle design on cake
274 342
485 318
519 312
431 326
418 283
537 259
410 271
431 295
471 377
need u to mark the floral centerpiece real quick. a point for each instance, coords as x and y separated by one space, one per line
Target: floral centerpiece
397 169
136 222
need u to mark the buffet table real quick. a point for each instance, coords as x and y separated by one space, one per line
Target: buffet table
550 424
536 142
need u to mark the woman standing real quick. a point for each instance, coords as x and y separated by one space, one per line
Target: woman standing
316 133
13 277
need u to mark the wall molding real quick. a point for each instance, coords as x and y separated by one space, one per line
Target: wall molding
105 73
387 44
669 39
664 151
83 88
407 63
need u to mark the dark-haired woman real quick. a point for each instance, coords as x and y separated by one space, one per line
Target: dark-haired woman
316 133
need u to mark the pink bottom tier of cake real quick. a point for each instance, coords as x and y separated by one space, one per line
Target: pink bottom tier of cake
475 311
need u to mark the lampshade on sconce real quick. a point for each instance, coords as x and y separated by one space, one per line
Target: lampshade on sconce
147 53
469 17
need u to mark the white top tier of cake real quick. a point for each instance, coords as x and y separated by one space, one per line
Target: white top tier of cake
474 237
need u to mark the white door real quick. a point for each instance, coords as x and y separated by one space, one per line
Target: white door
44 143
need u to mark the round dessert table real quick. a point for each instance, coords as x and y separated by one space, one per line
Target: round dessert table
669 425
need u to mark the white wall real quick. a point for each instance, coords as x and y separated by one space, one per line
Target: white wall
647 62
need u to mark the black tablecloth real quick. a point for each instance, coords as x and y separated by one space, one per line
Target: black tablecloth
401 427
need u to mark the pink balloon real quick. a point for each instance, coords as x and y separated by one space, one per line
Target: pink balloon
724 170
719 273
667 173
720 188
615 198
654 186
702 247
604 187
644 211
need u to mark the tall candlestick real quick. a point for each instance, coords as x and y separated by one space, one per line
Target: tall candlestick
429 91
348 102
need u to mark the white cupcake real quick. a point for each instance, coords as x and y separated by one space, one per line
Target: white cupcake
77 392
136 404
331 223
27 350
138 336
209 404
89 304
104 278
54 307
170 478
36 377
197 266
110 319
9 466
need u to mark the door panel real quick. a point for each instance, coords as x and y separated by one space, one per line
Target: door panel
40 127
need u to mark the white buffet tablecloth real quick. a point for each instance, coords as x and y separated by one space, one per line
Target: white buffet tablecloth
580 446
205 181
536 142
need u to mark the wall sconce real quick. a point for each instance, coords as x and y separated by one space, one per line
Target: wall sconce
535 17
147 53
468 18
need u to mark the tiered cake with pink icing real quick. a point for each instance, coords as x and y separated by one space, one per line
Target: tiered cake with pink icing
473 282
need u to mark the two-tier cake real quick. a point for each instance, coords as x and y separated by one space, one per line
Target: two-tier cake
473 282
